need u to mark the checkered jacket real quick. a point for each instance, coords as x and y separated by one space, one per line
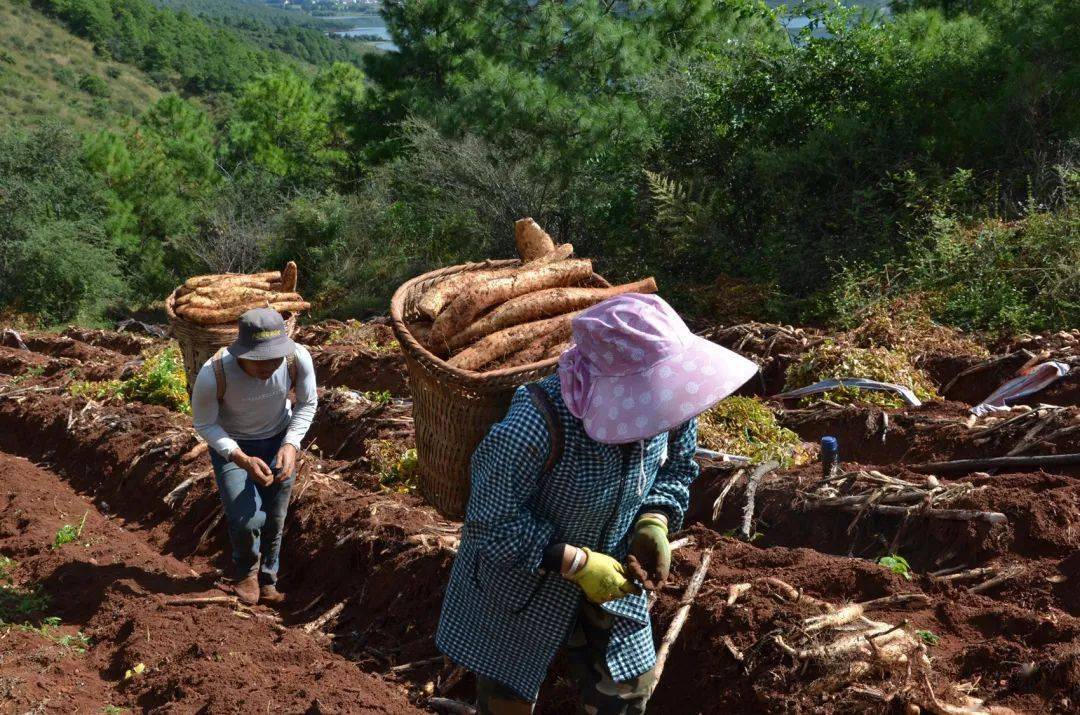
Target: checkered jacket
503 616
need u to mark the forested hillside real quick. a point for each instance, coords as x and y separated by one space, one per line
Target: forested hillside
930 154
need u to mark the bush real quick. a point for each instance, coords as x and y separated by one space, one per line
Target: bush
93 85
160 380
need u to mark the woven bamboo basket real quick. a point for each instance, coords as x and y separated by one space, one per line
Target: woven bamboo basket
452 408
198 343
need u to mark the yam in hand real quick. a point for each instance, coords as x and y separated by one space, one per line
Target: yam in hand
543 304
511 340
532 241
445 291
479 297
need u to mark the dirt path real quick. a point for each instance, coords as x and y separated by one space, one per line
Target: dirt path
111 592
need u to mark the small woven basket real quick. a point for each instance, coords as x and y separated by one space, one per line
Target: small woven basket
199 343
452 408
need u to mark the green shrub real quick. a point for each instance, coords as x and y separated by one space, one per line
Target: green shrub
94 85
160 380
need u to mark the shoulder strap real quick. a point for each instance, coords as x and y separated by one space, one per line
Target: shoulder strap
219 373
290 362
542 401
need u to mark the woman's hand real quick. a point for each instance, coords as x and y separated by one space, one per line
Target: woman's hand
602 578
650 553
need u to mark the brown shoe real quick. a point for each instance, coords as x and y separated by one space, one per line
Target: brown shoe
247 589
269 594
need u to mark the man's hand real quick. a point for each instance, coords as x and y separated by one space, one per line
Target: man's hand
255 467
650 552
285 461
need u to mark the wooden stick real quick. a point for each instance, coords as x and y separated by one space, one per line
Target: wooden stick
965 575
972 465
751 490
991 517
680 616
454 707
718 505
997 580
203 601
322 620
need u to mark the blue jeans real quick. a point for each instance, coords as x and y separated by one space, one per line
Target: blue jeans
255 514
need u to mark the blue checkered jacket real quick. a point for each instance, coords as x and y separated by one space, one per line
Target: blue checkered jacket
503 616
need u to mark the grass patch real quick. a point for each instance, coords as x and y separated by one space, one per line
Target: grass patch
159 380
367 336
928 637
398 469
18 604
834 359
69 533
747 426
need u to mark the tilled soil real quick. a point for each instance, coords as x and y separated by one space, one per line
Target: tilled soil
114 588
365 567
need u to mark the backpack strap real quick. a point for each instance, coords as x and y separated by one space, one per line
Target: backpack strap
219 371
543 403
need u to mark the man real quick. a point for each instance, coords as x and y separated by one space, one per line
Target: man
240 406
572 498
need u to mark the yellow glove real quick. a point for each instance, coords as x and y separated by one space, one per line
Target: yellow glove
602 578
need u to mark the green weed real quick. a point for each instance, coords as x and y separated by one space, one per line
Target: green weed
380 397
398 470
69 532
747 426
928 637
17 603
160 380
896 564
834 359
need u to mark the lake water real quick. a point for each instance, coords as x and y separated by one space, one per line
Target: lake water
371 27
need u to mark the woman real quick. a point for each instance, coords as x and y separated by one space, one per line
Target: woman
593 467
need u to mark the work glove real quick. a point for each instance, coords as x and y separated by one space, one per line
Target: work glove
650 553
602 578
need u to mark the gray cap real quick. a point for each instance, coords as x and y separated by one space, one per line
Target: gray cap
262 336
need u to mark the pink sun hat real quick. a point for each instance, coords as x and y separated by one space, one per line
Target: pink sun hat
635 370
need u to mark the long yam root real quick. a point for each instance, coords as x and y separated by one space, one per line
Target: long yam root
532 241
227 278
440 295
508 341
472 302
204 316
543 304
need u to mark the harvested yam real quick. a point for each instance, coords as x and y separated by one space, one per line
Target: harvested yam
532 241
243 298
226 278
223 297
508 341
421 330
206 316
556 350
543 304
445 291
289 277
478 297
534 352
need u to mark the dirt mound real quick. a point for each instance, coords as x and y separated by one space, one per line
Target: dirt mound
359 355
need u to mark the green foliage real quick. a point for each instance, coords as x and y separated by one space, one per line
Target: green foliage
94 85
159 380
397 469
834 359
69 533
928 637
58 256
897 564
18 604
746 426
380 398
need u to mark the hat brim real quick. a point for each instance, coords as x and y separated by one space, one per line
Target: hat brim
269 350
628 408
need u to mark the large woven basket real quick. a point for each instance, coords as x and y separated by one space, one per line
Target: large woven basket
198 343
452 408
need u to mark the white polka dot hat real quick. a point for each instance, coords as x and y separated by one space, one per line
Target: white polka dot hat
635 370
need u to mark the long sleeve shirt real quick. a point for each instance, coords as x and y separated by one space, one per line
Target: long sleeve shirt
253 409
504 616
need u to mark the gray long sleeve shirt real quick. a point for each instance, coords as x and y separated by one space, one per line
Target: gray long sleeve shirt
252 408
